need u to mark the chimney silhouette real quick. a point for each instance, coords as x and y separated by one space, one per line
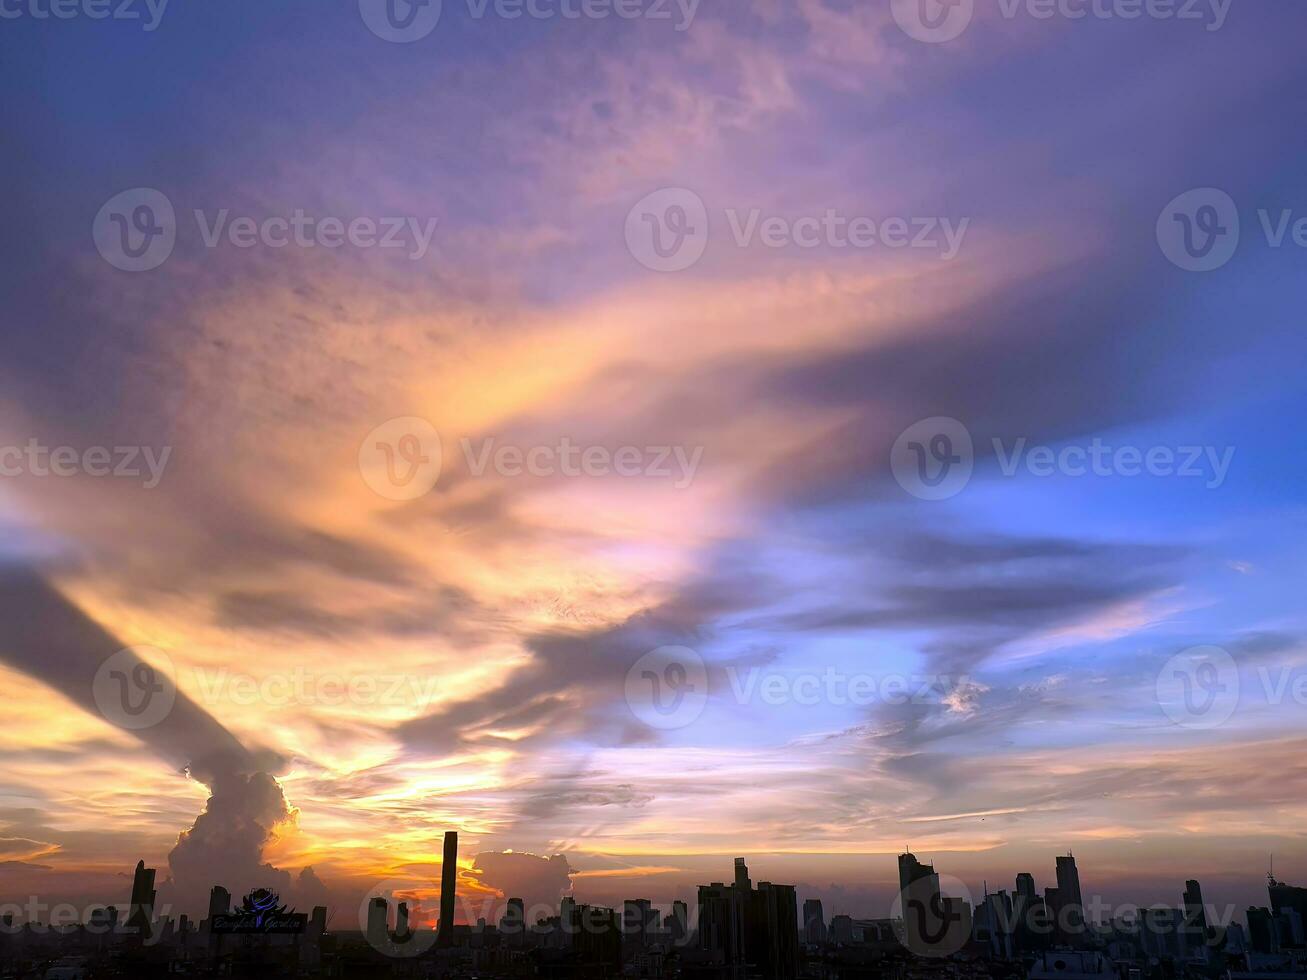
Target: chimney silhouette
448 877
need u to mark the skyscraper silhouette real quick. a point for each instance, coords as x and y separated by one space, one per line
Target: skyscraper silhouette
140 914
1070 908
912 870
378 913
513 922
219 901
721 925
1194 929
742 881
448 878
771 929
814 922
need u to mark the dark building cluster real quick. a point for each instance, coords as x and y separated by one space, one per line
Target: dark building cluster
735 930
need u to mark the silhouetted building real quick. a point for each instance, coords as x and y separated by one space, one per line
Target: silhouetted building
814 922
771 929
1070 909
742 881
140 913
401 920
721 924
1053 906
596 940
512 924
1263 934
994 925
378 928
911 871
219 901
1284 898
1160 932
1030 916
1194 930
841 930
448 886
677 923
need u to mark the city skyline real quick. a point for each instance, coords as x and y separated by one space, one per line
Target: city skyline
470 904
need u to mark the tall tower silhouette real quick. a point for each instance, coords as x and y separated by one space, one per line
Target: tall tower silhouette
140 914
448 877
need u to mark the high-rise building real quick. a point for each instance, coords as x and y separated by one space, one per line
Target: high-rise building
639 921
219 901
919 893
771 929
1071 907
448 886
513 922
742 881
140 914
1053 908
1194 930
1287 897
401 920
841 929
1029 915
994 924
1291 928
721 925
911 870
378 924
678 923
814 922
1263 937
596 938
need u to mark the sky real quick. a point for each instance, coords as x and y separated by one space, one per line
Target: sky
560 480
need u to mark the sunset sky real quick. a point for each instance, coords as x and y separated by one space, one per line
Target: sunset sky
491 622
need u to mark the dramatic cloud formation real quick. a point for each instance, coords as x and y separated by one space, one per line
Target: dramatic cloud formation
356 674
